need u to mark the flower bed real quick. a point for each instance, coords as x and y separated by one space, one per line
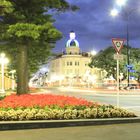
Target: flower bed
44 107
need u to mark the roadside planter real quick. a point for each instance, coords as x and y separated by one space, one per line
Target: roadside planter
55 107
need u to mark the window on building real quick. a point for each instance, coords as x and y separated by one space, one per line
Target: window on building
67 63
70 63
76 63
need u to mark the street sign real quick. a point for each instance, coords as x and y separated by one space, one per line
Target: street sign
131 77
132 70
129 66
118 57
118 44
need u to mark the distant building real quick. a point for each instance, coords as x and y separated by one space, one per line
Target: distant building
9 80
71 67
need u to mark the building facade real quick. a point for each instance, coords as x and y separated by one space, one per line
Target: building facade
8 81
71 67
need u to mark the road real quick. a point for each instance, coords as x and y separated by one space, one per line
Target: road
130 101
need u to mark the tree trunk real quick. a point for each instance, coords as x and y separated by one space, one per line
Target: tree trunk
22 70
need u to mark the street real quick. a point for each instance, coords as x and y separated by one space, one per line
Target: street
129 101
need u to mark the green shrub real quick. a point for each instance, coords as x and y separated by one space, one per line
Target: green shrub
61 113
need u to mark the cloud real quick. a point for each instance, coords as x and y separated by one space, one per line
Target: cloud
95 27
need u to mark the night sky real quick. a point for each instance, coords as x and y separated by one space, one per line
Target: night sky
94 26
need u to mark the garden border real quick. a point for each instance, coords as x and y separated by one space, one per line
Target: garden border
18 125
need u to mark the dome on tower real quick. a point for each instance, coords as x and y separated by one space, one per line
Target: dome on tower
72 42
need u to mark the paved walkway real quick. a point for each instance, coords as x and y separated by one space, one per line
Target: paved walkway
102 132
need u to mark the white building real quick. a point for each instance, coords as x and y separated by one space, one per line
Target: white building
71 67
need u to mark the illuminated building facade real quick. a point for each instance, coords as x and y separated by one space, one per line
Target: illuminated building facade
71 67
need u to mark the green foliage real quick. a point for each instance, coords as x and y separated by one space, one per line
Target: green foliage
59 113
2 97
30 24
105 60
5 7
27 31
38 51
24 30
135 61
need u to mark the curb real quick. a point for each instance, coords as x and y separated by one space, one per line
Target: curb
18 125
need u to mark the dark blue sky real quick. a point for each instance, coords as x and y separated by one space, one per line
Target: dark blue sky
94 27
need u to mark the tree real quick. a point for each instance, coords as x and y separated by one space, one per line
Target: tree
30 26
105 60
135 61
5 7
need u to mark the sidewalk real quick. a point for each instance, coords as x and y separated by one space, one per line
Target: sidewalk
102 132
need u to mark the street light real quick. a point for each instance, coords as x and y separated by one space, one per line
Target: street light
114 12
93 52
127 15
121 2
3 61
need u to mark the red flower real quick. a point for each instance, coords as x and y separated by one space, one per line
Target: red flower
42 100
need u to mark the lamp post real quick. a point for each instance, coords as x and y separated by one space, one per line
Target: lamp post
13 79
114 13
128 51
3 61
